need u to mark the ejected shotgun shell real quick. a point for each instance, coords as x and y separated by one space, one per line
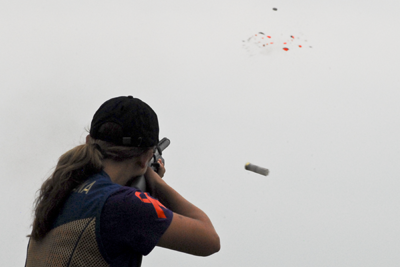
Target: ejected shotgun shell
256 169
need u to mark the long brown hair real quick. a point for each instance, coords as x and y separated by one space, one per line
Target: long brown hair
73 168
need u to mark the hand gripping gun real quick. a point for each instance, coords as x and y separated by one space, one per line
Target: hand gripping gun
140 181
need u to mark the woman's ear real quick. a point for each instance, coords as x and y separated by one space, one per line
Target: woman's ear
144 159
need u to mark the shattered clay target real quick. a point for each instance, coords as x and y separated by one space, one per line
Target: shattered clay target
263 43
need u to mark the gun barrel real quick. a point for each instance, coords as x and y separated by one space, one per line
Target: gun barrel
163 144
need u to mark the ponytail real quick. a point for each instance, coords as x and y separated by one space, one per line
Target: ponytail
73 168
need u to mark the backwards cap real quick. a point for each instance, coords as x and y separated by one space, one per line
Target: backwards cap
137 120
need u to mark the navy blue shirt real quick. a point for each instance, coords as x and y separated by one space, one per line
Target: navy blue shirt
132 221
129 222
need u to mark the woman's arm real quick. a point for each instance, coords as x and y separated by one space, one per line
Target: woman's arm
190 231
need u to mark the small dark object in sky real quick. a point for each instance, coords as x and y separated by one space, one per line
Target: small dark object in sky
274 9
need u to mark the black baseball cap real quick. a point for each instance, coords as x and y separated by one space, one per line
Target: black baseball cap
138 122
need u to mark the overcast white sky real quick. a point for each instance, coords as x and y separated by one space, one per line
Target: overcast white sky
324 120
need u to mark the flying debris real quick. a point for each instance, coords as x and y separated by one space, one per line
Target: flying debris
262 43
275 9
